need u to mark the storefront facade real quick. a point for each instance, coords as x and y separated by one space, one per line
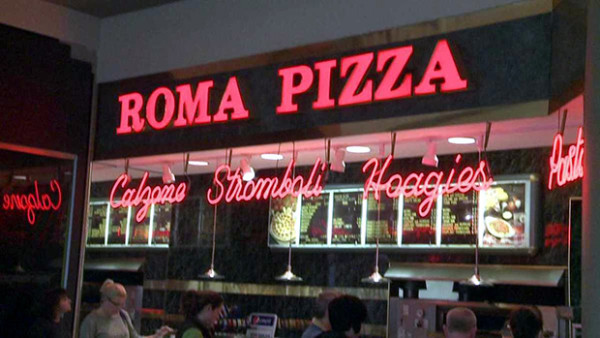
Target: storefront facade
506 73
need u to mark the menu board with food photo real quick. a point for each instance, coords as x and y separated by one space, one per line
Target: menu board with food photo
313 220
161 227
459 218
139 232
504 216
347 211
415 228
382 220
117 225
283 220
97 218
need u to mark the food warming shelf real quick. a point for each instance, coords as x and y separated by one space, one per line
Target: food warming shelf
530 275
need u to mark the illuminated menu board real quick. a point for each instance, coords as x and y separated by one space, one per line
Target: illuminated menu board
117 225
97 218
459 218
161 231
415 228
313 220
382 220
504 217
347 218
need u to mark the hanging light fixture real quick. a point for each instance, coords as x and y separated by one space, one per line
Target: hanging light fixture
288 276
211 273
247 170
476 279
167 174
430 158
376 277
338 164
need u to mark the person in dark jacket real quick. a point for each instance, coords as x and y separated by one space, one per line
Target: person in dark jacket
202 310
526 322
346 315
49 324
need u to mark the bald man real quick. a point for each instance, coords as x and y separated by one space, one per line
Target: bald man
460 323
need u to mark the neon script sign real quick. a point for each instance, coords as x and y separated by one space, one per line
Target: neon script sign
362 78
567 168
145 195
228 185
430 185
33 202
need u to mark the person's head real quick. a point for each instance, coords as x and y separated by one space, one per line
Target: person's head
346 314
112 297
56 302
320 311
525 322
202 307
460 323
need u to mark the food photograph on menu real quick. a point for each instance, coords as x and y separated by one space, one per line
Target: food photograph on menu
347 211
97 217
382 219
313 220
282 229
504 216
117 225
417 229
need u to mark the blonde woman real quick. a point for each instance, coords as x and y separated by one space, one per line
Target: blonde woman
110 320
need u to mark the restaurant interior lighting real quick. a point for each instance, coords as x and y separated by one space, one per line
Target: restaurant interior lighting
358 149
167 175
430 158
247 170
461 140
271 157
198 163
338 163
20 177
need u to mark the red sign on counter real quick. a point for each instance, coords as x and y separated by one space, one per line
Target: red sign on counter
145 195
567 168
33 202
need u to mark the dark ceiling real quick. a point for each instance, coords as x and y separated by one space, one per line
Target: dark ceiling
105 8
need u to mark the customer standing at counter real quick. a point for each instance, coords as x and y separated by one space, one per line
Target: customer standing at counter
110 320
320 321
202 310
460 323
526 322
55 304
346 315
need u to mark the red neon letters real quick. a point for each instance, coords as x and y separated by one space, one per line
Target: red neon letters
33 202
568 168
359 88
191 109
431 185
145 195
231 187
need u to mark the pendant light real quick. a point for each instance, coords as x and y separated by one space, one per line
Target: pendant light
211 273
476 279
288 276
376 278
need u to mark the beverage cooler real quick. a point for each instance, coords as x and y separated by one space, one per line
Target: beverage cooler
420 295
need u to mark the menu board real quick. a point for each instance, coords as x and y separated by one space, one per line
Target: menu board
139 232
415 228
313 220
505 216
161 226
117 226
347 217
459 218
97 217
382 222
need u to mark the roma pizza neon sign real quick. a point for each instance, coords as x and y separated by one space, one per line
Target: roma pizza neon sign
430 185
145 195
229 186
33 202
568 167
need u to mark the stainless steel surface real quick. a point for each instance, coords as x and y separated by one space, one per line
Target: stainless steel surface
131 265
501 274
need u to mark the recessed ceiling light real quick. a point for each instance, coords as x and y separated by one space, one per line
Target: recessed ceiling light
461 140
20 177
198 163
358 149
272 157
